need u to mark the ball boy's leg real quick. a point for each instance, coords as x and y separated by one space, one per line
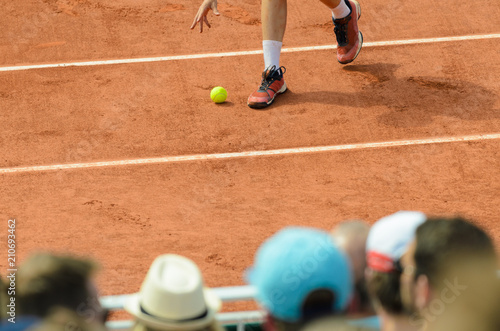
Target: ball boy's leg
273 15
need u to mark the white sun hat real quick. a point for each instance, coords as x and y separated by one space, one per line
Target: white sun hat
173 297
390 237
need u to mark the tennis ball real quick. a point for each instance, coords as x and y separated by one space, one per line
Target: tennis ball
218 94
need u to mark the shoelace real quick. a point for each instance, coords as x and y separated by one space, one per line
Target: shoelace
270 75
341 30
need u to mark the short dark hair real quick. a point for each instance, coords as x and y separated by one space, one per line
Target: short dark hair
319 303
455 248
46 281
443 242
384 287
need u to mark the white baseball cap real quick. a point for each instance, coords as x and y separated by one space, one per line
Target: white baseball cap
389 239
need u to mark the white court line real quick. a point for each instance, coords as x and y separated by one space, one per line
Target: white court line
286 151
242 53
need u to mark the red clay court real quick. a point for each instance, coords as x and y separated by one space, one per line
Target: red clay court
439 96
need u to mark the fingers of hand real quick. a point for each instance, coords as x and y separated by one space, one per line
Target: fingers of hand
194 22
214 9
201 16
197 17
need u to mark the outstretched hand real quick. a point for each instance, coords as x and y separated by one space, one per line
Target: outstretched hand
201 16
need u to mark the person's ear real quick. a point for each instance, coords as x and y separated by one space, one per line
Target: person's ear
368 274
422 292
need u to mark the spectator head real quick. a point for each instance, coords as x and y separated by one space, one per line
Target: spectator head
47 281
387 241
449 275
62 319
350 236
173 297
300 275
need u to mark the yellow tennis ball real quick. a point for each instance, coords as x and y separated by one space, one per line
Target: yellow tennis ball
218 94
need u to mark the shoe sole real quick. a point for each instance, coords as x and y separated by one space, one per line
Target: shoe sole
261 105
360 35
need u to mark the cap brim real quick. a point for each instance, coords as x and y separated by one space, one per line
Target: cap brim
213 302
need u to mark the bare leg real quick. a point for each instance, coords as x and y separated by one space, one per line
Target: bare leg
331 3
273 15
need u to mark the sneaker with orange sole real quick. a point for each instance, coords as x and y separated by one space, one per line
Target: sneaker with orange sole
349 38
271 85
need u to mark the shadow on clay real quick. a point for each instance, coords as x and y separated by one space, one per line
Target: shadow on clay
412 101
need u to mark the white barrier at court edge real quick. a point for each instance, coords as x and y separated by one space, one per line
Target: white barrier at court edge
226 294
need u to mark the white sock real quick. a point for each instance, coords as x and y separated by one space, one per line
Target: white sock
272 51
341 10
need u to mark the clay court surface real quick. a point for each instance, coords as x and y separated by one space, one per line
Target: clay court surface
217 212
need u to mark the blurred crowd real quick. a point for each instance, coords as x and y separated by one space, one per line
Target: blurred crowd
408 271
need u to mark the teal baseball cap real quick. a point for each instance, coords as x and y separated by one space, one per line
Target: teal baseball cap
295 262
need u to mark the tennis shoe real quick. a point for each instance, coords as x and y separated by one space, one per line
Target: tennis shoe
271 85
349 38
